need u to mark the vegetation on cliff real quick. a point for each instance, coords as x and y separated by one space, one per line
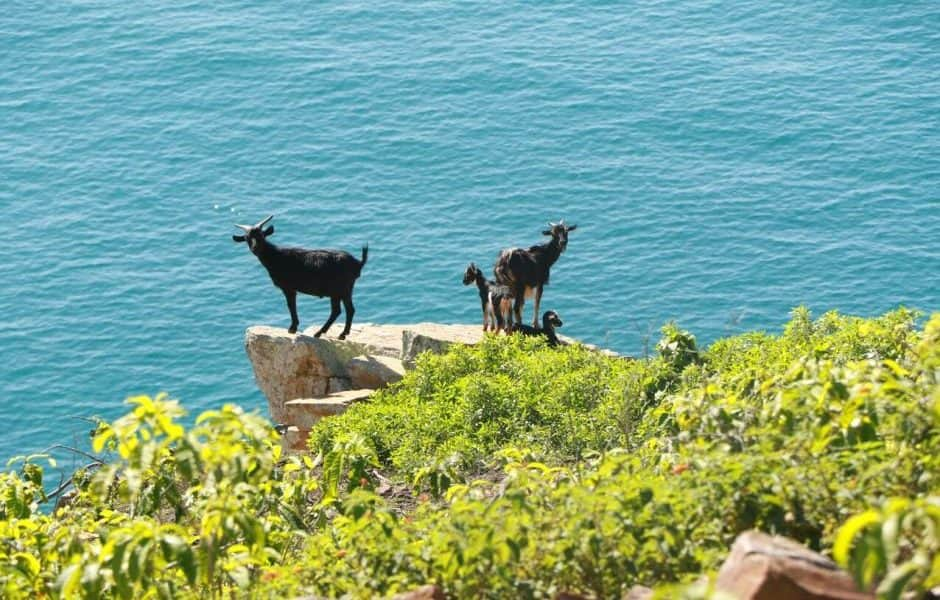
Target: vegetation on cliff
513 469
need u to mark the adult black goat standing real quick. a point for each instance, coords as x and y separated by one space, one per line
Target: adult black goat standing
330 273
550 320
495 300
526 272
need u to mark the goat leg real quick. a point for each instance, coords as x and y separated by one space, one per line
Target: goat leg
517 307
350 311
291 296
497 316
334 312
538 301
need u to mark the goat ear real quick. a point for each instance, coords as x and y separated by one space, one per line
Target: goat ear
238 238
268 231
572 227
547 232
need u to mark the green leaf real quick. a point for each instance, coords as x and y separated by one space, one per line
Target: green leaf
187 561
101 439
893 586
27 563
849 531
91 581
69 580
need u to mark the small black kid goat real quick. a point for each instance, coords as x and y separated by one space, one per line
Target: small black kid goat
526 272
330 273
495 300
550 320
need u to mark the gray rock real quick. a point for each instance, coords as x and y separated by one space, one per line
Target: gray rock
366 338
290 366
306 412
374 372
339 384
437 338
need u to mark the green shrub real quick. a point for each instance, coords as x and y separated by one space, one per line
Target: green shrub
462 407
513 469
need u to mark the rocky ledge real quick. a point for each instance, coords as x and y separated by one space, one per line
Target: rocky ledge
289 367
306 378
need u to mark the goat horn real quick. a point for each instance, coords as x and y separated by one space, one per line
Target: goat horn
264 222
245 228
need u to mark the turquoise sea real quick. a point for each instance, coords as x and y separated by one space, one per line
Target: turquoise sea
724 160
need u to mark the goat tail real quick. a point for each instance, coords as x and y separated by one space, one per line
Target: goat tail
501 269
365 257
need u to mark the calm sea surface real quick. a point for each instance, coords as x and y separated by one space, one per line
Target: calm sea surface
724 160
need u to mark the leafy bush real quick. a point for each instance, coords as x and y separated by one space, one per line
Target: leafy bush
897 547
460 408
513 469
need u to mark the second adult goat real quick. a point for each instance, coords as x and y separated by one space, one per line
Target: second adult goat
526 272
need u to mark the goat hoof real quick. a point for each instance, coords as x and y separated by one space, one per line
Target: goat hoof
341 336
292 330
318 334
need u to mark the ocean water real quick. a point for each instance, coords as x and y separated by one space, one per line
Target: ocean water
725 161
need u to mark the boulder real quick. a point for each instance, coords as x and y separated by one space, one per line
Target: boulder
374 372
366 338
437 338
427 592
306 412
638 592
763 567
289 366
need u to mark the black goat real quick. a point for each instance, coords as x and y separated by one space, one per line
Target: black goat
319 273
550 320
527 271
495 300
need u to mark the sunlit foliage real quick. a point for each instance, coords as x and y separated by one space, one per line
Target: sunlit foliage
514 469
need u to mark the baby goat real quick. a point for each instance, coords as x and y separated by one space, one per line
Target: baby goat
319 273
495 300
527 271
550 320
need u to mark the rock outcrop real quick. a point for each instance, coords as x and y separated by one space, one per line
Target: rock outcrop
295 370
306 379
428 592
374 372
763 567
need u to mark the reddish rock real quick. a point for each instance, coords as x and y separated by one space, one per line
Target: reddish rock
763 567
638 592
427 592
